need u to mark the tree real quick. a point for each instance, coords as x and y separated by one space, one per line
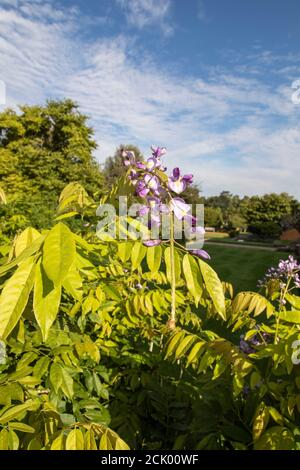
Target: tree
213 217
113 166
42 149
269 208
230 206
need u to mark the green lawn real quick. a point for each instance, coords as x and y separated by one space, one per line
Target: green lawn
243 267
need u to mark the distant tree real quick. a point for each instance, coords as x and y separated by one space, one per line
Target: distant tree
43 148
229 204
213 217
269 208
113 166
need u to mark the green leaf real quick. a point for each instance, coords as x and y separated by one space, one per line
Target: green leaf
41 367
192 276
124 251
22 427
58 443
121 445
154 258
184 345
46 301
14 296
56 377
67 384
294 300
176 262
260 421
75 440
137 255
15 411
214 288
276 438
73 283
25 239
32 249
291 316
13 440
59 252
195 352
105 443
89 440
4 439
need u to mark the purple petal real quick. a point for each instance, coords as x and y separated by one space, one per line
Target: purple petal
176 173
177 186
201 253
198 230
140 165
158 151
151 163
188 178
190 219
143 210
141 189
151 242
180 208
151 181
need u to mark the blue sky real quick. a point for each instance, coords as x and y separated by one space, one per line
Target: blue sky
209 79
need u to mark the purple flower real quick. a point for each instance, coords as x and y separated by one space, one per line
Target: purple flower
178 183
141 189
152 163
128 157
179 207
140 165
158 152
143 211
200 253
151 242
286 269
245 347
151 181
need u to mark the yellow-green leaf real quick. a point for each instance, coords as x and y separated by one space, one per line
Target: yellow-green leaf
25 239
214 288
15 411
46 301
59 252
75 440
192 276
89 440
22 427
154 258
14 296
137 255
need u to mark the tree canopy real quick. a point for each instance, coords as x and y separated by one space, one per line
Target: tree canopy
43 148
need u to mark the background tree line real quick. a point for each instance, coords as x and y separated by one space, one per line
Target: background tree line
43 148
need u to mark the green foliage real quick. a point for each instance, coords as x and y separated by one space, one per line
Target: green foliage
42 148
90 362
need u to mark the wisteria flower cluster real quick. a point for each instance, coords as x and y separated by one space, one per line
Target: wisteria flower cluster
160 193
248 347
287 270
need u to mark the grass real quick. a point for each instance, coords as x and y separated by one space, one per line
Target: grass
216 235
243 267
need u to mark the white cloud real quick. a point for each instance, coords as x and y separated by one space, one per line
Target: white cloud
234 131
145 13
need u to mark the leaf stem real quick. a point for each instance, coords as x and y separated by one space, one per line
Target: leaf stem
172 319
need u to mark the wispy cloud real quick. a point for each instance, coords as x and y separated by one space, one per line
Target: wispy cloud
201 12
234 130
148 13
